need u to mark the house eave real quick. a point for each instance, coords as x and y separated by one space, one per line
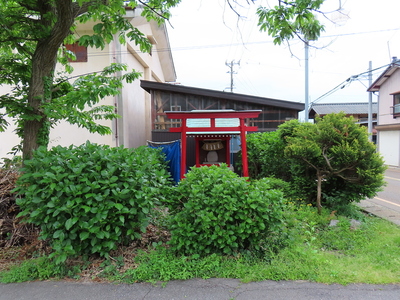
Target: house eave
164 51
388 127
376 85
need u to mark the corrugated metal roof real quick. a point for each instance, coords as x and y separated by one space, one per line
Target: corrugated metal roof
347 108
180 89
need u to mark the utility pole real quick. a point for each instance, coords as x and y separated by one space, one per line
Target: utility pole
306 82
370 103
230 66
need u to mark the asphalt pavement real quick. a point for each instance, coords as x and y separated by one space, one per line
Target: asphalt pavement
386 204
198 289
213 289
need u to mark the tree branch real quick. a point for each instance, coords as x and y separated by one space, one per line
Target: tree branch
153 9
79 10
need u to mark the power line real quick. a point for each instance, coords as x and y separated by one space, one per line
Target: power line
347 82
197 47
265 42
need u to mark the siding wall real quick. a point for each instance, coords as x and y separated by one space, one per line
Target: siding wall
390 86
389 147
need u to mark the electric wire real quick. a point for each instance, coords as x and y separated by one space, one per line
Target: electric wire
197 47
347 82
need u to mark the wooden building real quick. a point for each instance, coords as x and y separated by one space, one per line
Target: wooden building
170 104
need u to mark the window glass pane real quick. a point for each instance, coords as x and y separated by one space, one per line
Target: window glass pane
79 51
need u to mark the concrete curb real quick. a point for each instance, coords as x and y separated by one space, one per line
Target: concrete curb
380 211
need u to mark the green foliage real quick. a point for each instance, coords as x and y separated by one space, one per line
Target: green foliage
91 198
315 251
338 152
350 239
264 154
164 265
31 44
215 211
3 123
79 102
335 150
41 268
290 19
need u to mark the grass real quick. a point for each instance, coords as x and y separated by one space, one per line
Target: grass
313 250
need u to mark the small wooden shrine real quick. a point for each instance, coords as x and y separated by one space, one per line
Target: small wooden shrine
213 131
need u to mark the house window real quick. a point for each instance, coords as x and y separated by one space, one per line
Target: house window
396 105
79 51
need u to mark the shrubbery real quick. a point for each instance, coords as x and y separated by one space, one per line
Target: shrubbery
216 211
91 198
330 163
264 153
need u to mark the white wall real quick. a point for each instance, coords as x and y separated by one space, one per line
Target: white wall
392 85
65 134
389 147
8 139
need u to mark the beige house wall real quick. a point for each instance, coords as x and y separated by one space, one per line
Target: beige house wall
65 134
134 127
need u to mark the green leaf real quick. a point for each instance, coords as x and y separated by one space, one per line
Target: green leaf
70 222
118 206
84 235
122 219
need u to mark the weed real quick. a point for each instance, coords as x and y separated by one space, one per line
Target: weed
314 251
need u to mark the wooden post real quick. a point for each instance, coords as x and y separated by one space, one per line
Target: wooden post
183 154
244 148
197 149
228 150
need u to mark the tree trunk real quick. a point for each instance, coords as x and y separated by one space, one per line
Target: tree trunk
43 64
319 191
44 60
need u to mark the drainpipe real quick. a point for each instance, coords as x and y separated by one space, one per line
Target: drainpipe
118 99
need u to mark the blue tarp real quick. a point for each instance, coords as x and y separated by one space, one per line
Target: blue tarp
172 153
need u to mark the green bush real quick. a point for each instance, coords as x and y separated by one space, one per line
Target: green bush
337 154
334 151
89 199
265 156
216 211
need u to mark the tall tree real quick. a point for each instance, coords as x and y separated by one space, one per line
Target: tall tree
339 155
33 32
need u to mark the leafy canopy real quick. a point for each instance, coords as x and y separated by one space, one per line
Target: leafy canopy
291 18
330 163
32 41
339 153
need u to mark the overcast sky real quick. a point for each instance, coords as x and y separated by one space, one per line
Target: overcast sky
206 35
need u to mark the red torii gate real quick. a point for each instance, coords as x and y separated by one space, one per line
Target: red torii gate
212 115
